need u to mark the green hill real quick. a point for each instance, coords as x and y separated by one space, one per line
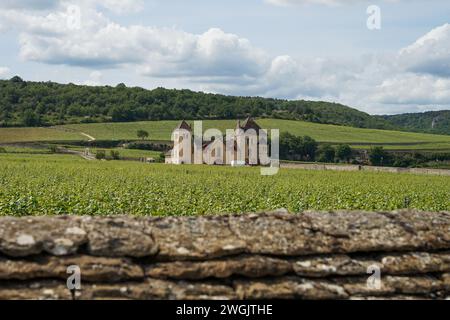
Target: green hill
29 104
432 122
161 130
43 104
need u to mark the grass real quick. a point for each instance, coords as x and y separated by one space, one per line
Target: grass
10 135
161 130
127 153
22 149
60 184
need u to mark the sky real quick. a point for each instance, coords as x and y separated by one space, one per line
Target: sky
381 57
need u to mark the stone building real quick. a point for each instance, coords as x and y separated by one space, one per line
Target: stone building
241 148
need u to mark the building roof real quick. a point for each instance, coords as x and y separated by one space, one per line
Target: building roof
249 123
183 125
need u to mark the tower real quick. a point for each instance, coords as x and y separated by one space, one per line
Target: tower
246 143
182 139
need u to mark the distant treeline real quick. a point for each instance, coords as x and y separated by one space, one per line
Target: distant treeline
432 121
46 103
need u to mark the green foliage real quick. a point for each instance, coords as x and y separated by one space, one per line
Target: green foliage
115 155
142 134
297 148
344 152
54 104
30 119
162 130
403 161
49 184
432 121
327 153
161 158
409 160
100 155
139 145
53 148
16 79
379 157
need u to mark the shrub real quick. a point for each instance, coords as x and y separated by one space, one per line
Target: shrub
297 148
161 158
115 155
379 157
327 153
344 152
145 145
53 149
100 155
142 134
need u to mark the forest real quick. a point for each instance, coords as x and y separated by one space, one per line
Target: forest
32 104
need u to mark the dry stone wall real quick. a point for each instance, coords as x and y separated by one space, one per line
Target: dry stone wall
349 167
312 255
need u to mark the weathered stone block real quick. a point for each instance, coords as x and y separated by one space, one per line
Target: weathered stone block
119 237
59 236
93 269
247 266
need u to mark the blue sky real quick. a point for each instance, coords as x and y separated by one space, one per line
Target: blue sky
293 49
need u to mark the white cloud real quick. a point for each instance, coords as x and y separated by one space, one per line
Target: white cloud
301 2
286 3
29 4
430 54
116 6
4 71
211 54
413 89
217 61
122 6
95 79
159 52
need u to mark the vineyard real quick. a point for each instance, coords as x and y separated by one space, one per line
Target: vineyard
161 131
60 184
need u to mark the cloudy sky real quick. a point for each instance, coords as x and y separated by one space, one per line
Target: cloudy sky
293 49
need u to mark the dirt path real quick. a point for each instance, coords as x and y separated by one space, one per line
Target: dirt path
82 154
90 138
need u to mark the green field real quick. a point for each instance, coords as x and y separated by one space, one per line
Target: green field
8 135
161 130
60 184
22 149
127 153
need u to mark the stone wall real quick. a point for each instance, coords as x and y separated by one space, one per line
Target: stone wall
349 167
313 255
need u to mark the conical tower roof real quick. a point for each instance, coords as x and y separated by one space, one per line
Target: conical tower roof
249 123
183 125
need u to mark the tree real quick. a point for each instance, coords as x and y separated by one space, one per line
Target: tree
121 113
297 148
308 148
289 146
327 153
378 156
30 118
16 79
161 158
142 134
100 155
115 155
344 152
